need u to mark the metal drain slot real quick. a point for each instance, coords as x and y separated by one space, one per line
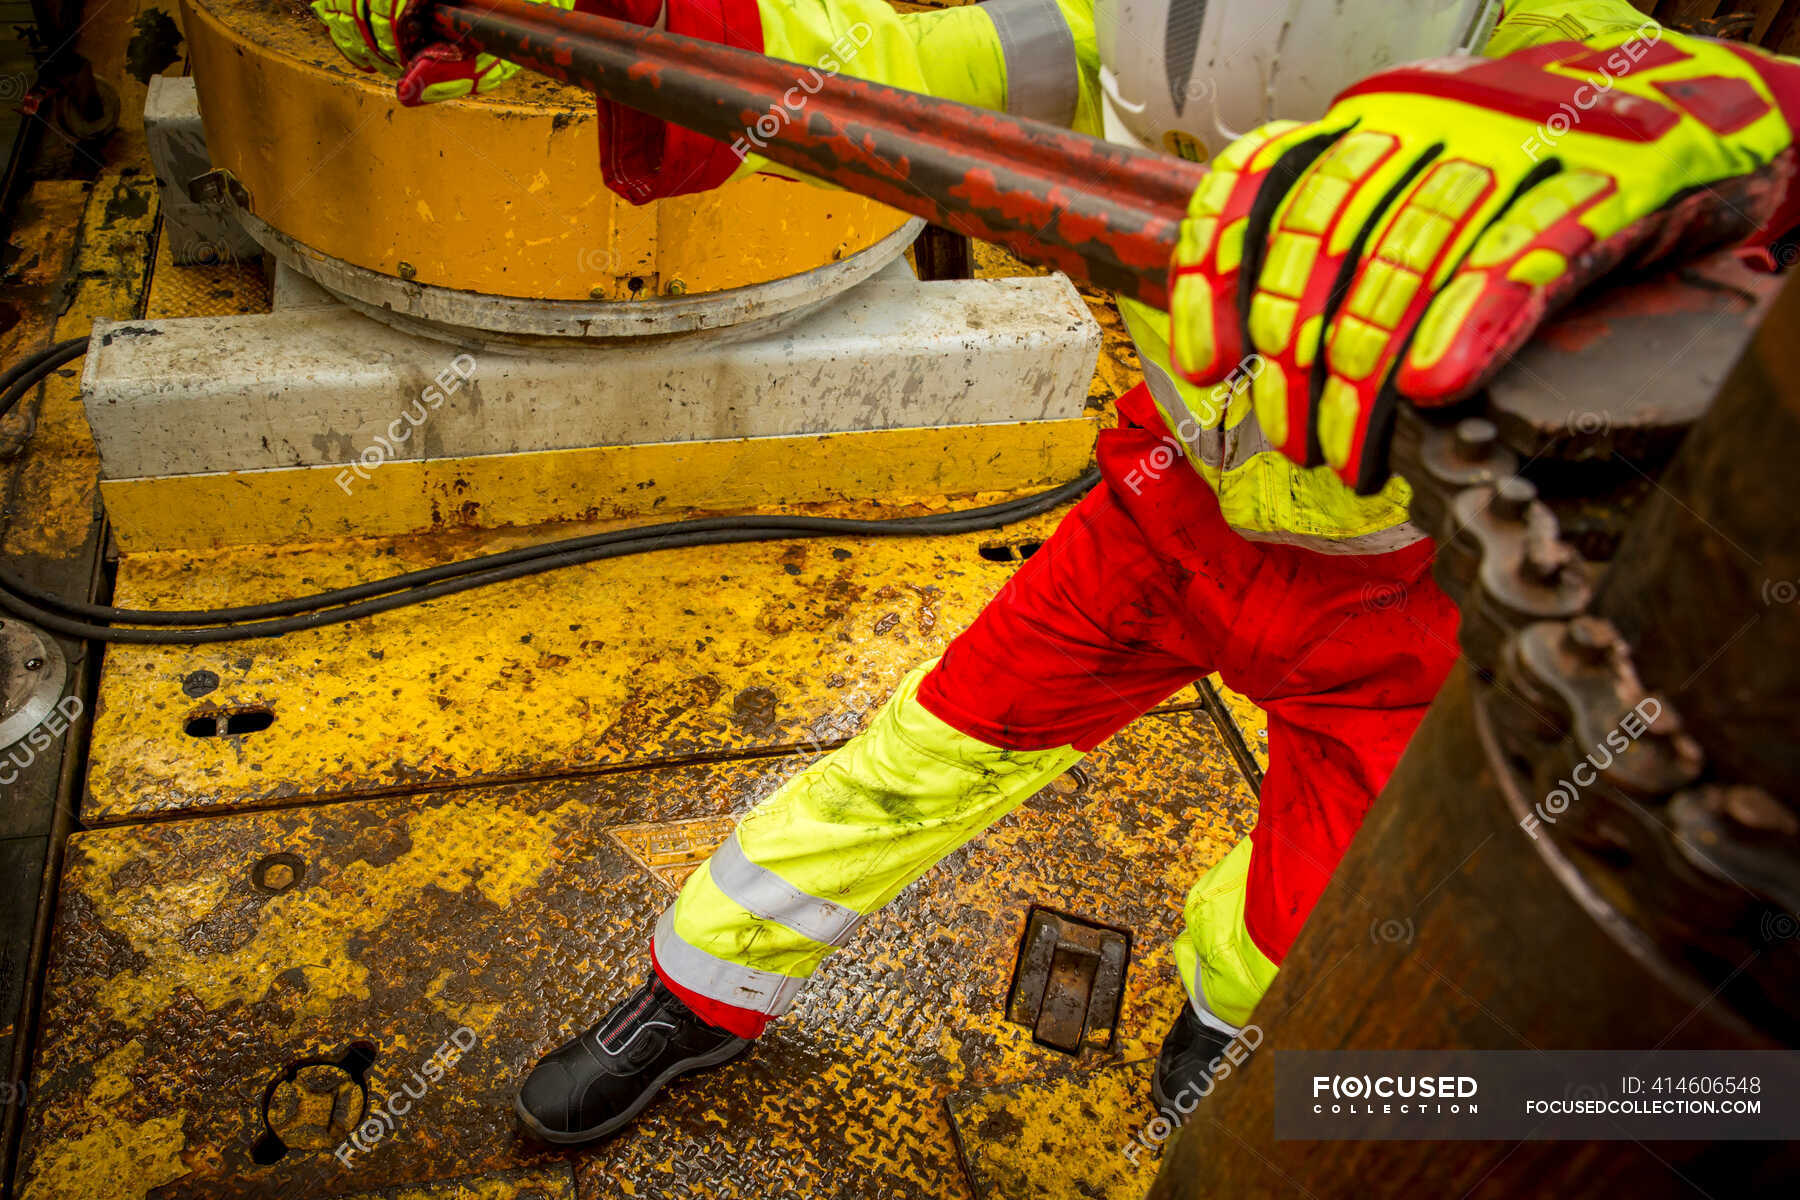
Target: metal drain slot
1069 981
313 1103
231 723
1010 551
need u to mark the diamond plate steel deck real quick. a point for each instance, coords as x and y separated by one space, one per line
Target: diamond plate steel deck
664 657
194 961
1062 1137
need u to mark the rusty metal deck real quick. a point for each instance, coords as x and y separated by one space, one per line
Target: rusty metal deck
685 654
196 960
465 816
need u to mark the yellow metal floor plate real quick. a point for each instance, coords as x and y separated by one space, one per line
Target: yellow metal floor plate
200 965
550 1182
215 290
682 654
1065 1137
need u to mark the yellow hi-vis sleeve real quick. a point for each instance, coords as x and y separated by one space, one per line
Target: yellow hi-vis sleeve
1537 22
1031 58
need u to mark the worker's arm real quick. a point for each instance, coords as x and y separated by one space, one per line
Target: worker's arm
1537 22
1032 58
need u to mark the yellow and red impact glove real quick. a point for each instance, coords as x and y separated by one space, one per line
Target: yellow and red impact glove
392 37
1408 242
642 158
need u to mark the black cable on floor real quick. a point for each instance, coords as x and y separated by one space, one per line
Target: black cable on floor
78 619
22 376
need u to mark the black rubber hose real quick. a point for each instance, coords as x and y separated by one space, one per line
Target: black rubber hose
991 516
744 529
22 376
78 619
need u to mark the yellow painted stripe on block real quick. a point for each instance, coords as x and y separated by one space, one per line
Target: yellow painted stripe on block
592 483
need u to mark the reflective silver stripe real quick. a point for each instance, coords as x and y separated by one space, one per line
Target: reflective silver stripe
1209 1018
1221 448
1228 449
773 898
1381 541
762 992
1043 80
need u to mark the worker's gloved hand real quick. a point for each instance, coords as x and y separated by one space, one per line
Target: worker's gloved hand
1411 240
642 158
391 36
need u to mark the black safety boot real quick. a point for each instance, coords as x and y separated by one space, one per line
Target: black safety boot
596 1084
1184 1069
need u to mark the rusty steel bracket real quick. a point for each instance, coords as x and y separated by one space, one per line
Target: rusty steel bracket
1505 565
1069 981
1443 460
1569 443
1572 682
1741 834
219 186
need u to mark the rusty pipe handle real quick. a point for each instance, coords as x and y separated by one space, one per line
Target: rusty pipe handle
1104 214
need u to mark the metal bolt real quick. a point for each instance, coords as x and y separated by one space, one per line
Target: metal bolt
597 292
1590 639
278 872
1666 723
32 664
408 272
1545 560
1475 438
1512 499
1754 808
676 288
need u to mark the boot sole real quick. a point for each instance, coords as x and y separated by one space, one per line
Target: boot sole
717 1058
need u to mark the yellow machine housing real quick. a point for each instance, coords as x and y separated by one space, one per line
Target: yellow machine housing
498 194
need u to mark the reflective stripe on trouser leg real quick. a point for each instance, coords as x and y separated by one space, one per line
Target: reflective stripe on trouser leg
1224 972
835 843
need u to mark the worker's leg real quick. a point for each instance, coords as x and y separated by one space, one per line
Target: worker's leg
1080 642
1351 653
1344 654
1089 633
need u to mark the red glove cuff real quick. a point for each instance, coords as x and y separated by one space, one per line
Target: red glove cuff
645 159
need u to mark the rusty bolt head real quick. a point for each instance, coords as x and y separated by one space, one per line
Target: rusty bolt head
1475 437
1544 560
597 292
1512 499
1666 723
1754 808
676 288
407 271
1590 639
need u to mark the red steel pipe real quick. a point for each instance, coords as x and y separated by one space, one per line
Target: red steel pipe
1106 215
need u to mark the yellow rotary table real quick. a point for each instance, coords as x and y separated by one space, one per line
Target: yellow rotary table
490 212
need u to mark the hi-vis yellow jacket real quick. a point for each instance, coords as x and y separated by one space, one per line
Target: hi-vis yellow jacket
1040 59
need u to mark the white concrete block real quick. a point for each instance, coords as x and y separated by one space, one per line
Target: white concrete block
317 385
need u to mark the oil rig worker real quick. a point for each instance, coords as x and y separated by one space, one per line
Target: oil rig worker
1396 249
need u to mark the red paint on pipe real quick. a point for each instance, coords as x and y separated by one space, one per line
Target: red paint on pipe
1106 215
